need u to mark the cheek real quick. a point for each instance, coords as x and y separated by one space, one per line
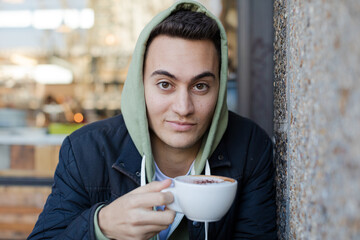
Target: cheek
208 105
206 109
154 105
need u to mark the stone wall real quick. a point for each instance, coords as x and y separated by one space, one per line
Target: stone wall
317 118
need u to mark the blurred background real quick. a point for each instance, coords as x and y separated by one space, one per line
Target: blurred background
63 64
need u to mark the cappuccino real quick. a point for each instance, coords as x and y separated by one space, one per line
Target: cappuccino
206 180
204 198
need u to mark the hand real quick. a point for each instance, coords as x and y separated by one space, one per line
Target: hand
132 216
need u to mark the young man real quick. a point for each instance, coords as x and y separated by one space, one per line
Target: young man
174 122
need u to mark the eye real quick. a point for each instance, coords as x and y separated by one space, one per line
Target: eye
164 85
201 87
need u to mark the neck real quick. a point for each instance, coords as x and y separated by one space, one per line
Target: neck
171 161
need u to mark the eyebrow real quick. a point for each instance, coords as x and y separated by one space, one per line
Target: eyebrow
199 76
163 72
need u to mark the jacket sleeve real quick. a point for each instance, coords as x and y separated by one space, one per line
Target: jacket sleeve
98 233
256 218
67 213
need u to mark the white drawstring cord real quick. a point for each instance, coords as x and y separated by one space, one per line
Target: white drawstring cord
207 169
142 172
207 172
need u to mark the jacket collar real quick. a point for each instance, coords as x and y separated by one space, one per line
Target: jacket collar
220 157
129 160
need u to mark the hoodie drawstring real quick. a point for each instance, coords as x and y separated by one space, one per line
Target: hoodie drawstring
207 169
142 172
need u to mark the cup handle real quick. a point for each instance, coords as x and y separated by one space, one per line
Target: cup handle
175 204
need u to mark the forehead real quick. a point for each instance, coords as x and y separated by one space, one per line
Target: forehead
178 55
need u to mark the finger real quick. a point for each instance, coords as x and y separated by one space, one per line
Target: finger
155 186
150 199
165 217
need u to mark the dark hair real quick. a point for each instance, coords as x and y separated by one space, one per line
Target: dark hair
188 25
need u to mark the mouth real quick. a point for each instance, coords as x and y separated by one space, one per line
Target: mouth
181 126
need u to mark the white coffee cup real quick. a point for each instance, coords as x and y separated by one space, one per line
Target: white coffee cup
203 198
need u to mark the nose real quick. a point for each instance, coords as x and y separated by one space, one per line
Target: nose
183 103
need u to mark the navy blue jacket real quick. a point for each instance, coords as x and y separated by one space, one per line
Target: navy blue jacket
99 163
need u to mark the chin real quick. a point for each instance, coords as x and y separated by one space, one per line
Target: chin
182 144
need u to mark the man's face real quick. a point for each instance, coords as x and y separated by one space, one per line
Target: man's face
181 81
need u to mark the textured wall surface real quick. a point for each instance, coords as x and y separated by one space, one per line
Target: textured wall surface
281 115
317 118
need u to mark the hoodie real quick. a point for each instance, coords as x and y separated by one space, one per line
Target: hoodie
133 100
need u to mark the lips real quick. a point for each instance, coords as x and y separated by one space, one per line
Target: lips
181 126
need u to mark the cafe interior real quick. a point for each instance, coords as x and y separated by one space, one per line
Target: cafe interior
63 64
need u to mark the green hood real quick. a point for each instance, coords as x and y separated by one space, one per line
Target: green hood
133 100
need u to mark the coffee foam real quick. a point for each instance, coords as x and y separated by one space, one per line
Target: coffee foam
204 180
